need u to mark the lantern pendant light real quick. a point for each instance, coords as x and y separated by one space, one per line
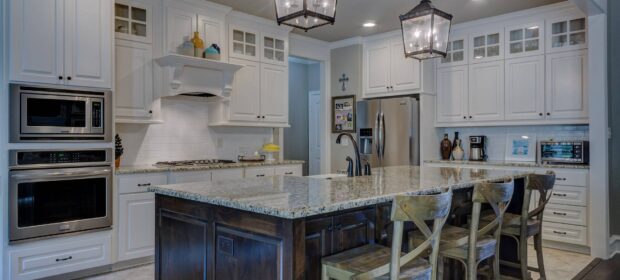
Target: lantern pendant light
305 14
425 31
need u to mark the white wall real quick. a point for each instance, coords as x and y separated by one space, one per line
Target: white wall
496 136
185 135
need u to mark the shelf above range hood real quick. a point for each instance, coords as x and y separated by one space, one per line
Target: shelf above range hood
192 76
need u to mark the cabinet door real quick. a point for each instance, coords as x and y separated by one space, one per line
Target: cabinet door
566 85
226 174
289 170
37 45
404 72
486 91
133 21
456 52
243 42
212 31
486 46
258 172
318 245
180 27
525 88
274 93
134 80
525 40
274 49
353 230
568 33
88 43
245 95
376 67
136 228
452 91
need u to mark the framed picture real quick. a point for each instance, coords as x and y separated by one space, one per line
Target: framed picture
521 147
343 114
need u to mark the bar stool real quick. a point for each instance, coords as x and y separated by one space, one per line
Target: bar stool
472 246
529 223
379 262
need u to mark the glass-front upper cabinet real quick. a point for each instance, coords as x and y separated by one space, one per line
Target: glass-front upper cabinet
486 46
132 21
566 34
243 43
275 49
524 40
456 52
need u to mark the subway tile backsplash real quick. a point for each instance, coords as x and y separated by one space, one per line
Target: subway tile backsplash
185 135
496 136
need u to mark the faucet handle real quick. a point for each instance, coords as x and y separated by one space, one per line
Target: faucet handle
349 167
367 168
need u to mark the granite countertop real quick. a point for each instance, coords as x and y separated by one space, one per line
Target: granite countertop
154 169
298 197
510 164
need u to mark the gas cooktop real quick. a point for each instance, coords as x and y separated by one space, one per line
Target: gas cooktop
194 162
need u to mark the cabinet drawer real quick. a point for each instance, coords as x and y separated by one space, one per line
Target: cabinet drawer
61 257
292 170
569 195
566 214
139 182
227 174
571 178
189 177
254 172
565 233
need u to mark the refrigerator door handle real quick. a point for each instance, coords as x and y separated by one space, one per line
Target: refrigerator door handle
383 135
376 136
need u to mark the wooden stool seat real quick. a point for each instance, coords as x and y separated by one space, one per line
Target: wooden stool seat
485 244
368 257
512 224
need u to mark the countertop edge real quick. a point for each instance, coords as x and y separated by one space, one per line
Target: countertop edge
510 164
123 170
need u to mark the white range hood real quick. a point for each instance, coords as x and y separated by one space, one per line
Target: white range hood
192 76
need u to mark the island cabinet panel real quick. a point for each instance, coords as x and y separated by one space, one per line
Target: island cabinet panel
354 229
318 239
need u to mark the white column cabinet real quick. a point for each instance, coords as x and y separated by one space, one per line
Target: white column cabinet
566 93
525 88
245 96
62 42
452 94
486 91
376 67
274 93
136 225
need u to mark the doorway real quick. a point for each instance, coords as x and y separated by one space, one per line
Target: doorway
302 139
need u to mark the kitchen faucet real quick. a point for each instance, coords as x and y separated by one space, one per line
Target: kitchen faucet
358 163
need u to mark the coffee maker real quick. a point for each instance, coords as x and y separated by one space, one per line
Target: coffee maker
477 148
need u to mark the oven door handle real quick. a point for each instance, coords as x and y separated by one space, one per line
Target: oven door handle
60 173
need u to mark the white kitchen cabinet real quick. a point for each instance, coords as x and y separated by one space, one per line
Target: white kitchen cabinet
136 225
566 85
289 170
226 174
134 96
456 52
386 70
180 27
65 42
525 40
486 46
566 34
183 20
486 91
133 21
274 93
244 42
525 88
259 172
452 94
274 49
213 31
245 97
134 183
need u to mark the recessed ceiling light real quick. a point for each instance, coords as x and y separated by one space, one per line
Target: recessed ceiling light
369 24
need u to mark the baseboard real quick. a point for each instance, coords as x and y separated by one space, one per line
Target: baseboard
566 247
614 245
103 269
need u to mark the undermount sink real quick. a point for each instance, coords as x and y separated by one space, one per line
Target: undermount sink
328 176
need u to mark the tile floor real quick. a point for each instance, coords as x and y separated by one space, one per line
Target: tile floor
560 265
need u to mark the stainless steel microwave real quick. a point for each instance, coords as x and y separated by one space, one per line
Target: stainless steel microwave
41 113
572 152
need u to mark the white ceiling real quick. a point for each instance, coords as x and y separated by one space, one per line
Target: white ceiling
351 14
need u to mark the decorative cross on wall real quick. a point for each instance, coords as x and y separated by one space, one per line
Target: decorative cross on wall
343 80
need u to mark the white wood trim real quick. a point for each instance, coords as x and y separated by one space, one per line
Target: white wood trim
516 123
614 246
4 120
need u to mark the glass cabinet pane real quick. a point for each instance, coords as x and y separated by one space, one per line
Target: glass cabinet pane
269 42
516 47
479 53
493 51
237 35
250 38
558 41
577 38
531 32
516 35
458 56
479 41
122 10
578 24
531 45
138 29
279 44
122 26
446 59
279 55
493 39
250 50
558 28
458 45
238 48
138 14
269 54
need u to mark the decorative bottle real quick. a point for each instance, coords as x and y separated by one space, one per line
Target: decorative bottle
199 45
457 151
445 147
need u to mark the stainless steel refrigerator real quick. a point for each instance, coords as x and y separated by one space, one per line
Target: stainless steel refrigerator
388 131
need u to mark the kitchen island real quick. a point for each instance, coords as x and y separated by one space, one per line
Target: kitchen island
280 227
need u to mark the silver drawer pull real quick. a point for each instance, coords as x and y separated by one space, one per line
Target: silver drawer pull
64 259
559 232
559 213
560 194
144 185
288 173
560 179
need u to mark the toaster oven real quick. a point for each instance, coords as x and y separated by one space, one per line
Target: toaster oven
571 152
